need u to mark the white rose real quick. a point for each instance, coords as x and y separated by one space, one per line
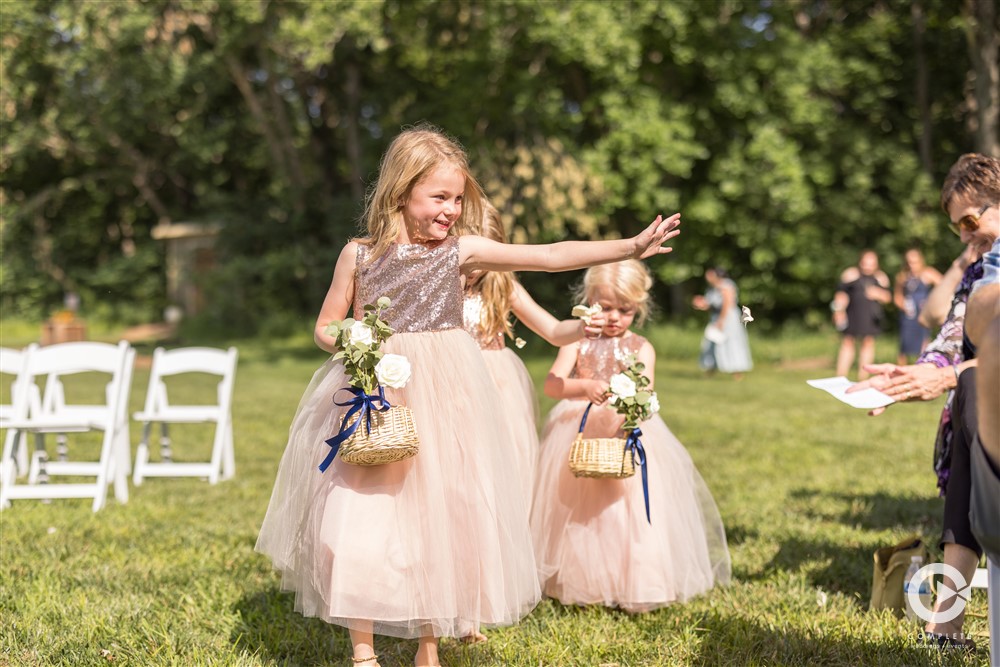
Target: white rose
654 403
613 399
360 333
393 371
622 386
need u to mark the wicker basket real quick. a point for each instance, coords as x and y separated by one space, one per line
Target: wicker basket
393 437
599 457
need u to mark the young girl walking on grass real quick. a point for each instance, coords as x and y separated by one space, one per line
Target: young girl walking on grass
490 298
593 541
436 545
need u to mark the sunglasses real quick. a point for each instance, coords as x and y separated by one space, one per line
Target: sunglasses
969 223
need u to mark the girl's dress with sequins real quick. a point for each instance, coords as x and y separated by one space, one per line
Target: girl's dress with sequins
593 544
517 393
436 544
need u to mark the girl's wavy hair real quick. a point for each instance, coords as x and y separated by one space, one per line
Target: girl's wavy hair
410 158
629 280
495 287
974 176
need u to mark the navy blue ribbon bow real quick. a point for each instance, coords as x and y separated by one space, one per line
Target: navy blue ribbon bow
633 444
361 402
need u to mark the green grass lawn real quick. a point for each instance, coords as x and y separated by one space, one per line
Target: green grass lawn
808 489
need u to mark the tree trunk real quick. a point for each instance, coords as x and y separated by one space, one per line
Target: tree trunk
984 97
923 95
352 89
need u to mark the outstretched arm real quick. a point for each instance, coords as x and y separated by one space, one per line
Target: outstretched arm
476 252
338 299
542 322
558 384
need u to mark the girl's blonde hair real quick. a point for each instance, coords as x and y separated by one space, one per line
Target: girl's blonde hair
495 287
629 280
411 157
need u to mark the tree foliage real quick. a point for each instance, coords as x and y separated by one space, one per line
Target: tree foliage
790 134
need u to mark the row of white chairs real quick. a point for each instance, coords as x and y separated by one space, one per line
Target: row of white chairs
39 407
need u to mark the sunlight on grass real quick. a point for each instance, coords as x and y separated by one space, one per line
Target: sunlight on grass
807 488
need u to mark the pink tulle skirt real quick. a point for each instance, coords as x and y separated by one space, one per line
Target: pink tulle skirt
518 403
437 544
593 544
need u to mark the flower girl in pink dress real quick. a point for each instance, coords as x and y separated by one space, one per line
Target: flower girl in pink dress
490 298
435 545
593 542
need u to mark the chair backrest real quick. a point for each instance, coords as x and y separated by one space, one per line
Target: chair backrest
55 362
208 360
14 362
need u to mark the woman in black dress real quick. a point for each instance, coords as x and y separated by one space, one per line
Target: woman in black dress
857 311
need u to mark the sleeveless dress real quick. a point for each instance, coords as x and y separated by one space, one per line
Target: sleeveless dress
593 544
732 355
912 335
517 393
864 315
437 544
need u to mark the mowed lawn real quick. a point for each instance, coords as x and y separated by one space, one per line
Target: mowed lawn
807 488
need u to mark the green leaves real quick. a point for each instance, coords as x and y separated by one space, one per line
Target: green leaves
359 343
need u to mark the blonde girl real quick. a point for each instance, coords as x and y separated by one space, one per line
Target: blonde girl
490 299
436 545
593 541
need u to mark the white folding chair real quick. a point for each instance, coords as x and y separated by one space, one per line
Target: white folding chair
52 414
12 362
989 578
159 409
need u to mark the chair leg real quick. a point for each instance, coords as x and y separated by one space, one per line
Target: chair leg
229 460
141 455
8 464
993 606
18 450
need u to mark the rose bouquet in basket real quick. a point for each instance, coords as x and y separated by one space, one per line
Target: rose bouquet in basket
631 397
372 431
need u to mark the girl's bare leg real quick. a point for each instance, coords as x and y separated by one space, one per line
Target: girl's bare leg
364 647
965 561
427 652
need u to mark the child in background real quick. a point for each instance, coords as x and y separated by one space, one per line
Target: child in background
438 544
490 298
593 542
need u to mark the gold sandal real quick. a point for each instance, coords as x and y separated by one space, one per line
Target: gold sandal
371 658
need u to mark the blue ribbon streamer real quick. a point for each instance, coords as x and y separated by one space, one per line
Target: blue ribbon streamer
633 444
361 402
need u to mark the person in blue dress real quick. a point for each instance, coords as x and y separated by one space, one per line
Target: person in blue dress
725 346
913 285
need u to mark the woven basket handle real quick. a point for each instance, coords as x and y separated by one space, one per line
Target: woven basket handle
583 421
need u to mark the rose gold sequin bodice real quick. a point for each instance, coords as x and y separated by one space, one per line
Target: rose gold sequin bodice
473 316
422 281
600 358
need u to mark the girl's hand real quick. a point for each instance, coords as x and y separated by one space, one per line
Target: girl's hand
597 392
596 326
699 302
650 241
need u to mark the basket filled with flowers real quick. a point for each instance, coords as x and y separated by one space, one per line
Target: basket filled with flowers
618 457
372 431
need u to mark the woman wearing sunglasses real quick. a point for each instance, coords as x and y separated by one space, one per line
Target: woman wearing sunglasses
970 198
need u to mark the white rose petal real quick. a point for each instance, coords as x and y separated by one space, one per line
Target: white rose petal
360 333
622 385
393 371
586 312
613 399
654 403
519 343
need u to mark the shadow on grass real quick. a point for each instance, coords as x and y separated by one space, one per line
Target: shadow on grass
739 641
271 629
876 511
